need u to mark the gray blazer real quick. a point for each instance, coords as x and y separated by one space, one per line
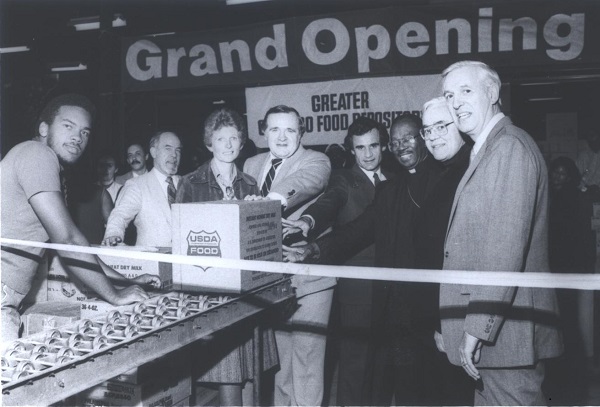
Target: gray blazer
142 201
499 222
301 178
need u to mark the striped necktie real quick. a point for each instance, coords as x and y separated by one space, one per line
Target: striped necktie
266 187
171 191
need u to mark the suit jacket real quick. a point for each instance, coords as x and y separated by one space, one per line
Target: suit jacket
300 178
347 195
498 222
389 223
143 201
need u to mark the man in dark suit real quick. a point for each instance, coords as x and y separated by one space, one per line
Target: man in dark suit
296 176
401 358
498 222
349 192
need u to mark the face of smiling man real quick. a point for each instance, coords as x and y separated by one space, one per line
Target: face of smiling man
406 144
283 134
472 98
167 153
442 147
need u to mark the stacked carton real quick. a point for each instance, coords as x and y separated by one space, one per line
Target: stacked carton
165 381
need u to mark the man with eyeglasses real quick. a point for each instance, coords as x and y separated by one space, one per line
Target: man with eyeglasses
447 146
400 358
499 222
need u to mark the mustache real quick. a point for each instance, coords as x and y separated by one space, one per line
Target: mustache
136 162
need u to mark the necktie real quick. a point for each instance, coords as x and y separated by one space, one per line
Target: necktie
376 178
171 191
266 187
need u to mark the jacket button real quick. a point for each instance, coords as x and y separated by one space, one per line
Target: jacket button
447 254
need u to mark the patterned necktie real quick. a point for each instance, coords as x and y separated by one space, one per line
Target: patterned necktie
376 178
266 187
171 191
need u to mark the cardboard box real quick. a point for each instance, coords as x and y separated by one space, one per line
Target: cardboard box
172 364
206 395
132 268
39 287
229 229
49 315
596 224
94 308
162 392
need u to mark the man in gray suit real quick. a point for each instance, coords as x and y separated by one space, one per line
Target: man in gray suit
295 176
146 200
498 222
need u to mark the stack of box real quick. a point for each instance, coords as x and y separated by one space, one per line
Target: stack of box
163 382
249 230
62 286
49 315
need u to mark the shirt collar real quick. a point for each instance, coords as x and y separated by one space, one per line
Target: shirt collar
486 132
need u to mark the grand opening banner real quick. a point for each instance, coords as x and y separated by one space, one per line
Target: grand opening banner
330 107
388 41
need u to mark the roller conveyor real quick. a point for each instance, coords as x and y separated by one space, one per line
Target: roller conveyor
48 367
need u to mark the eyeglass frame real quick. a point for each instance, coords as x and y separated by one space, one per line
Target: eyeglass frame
404 140
438 134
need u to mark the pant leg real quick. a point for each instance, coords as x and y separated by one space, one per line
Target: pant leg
511 387
308 341
283 377
11 318
354 354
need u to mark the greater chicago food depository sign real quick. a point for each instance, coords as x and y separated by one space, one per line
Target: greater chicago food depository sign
386 41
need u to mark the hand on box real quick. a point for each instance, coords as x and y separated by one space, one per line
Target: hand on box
128 295
291 227
148 279
112 241
298 254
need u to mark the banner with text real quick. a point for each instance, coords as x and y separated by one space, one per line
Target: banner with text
386 41
330 107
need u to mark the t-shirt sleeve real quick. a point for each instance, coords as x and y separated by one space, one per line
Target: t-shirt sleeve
38 170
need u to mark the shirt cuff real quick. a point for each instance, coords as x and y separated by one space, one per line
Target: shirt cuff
278 197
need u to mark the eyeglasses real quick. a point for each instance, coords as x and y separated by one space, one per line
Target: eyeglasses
406 140
438 129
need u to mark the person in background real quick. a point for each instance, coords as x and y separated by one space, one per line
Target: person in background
296 176
448 386
33 208
572 248
498 222
231 364
137 158
146 200
347 195
588 159
106 171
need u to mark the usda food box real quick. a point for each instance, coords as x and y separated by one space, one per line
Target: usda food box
249 230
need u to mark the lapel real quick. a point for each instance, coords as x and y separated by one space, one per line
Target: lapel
158 196
505 121
360 177
287 165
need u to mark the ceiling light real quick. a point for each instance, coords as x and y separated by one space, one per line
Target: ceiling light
8 50
93 23
547 99
236 2
218 102
540 83
77 66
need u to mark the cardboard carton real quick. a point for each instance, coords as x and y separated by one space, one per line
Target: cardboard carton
229 229
49 315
